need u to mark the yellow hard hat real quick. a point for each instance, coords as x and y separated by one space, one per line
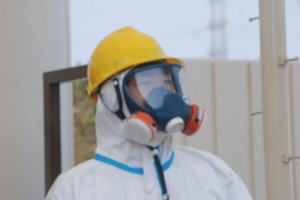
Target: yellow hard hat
120 50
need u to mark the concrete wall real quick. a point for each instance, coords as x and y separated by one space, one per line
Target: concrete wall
32 41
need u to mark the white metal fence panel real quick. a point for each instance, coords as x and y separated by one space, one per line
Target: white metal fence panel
230 91
257 146
295 111
232 116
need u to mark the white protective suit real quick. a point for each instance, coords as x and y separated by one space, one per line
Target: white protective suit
125 170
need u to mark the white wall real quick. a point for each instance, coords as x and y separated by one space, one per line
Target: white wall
32 41
231 93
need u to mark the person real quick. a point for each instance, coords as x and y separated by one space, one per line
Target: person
142 101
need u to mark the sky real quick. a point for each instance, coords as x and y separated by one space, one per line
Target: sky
180 27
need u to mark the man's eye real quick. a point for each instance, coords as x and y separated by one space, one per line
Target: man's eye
167 82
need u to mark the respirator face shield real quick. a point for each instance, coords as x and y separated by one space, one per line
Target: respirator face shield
159 90
148 86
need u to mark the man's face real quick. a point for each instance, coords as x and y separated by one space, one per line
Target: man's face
141 85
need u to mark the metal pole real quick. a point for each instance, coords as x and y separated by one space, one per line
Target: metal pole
275 95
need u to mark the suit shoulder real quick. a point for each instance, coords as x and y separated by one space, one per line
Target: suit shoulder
67 181
204 160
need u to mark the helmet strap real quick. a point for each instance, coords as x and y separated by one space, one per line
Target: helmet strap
119 112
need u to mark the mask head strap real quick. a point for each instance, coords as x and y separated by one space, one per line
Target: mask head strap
119 112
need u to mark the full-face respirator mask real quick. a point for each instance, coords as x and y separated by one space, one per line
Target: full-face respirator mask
155 98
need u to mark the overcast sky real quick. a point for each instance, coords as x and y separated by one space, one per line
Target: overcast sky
181 27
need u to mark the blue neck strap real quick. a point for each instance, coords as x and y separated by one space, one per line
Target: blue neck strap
124 167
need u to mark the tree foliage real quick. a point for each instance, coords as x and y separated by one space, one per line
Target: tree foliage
84 123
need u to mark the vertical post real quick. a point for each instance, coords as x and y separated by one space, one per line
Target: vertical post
52 132
275 95
52 81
